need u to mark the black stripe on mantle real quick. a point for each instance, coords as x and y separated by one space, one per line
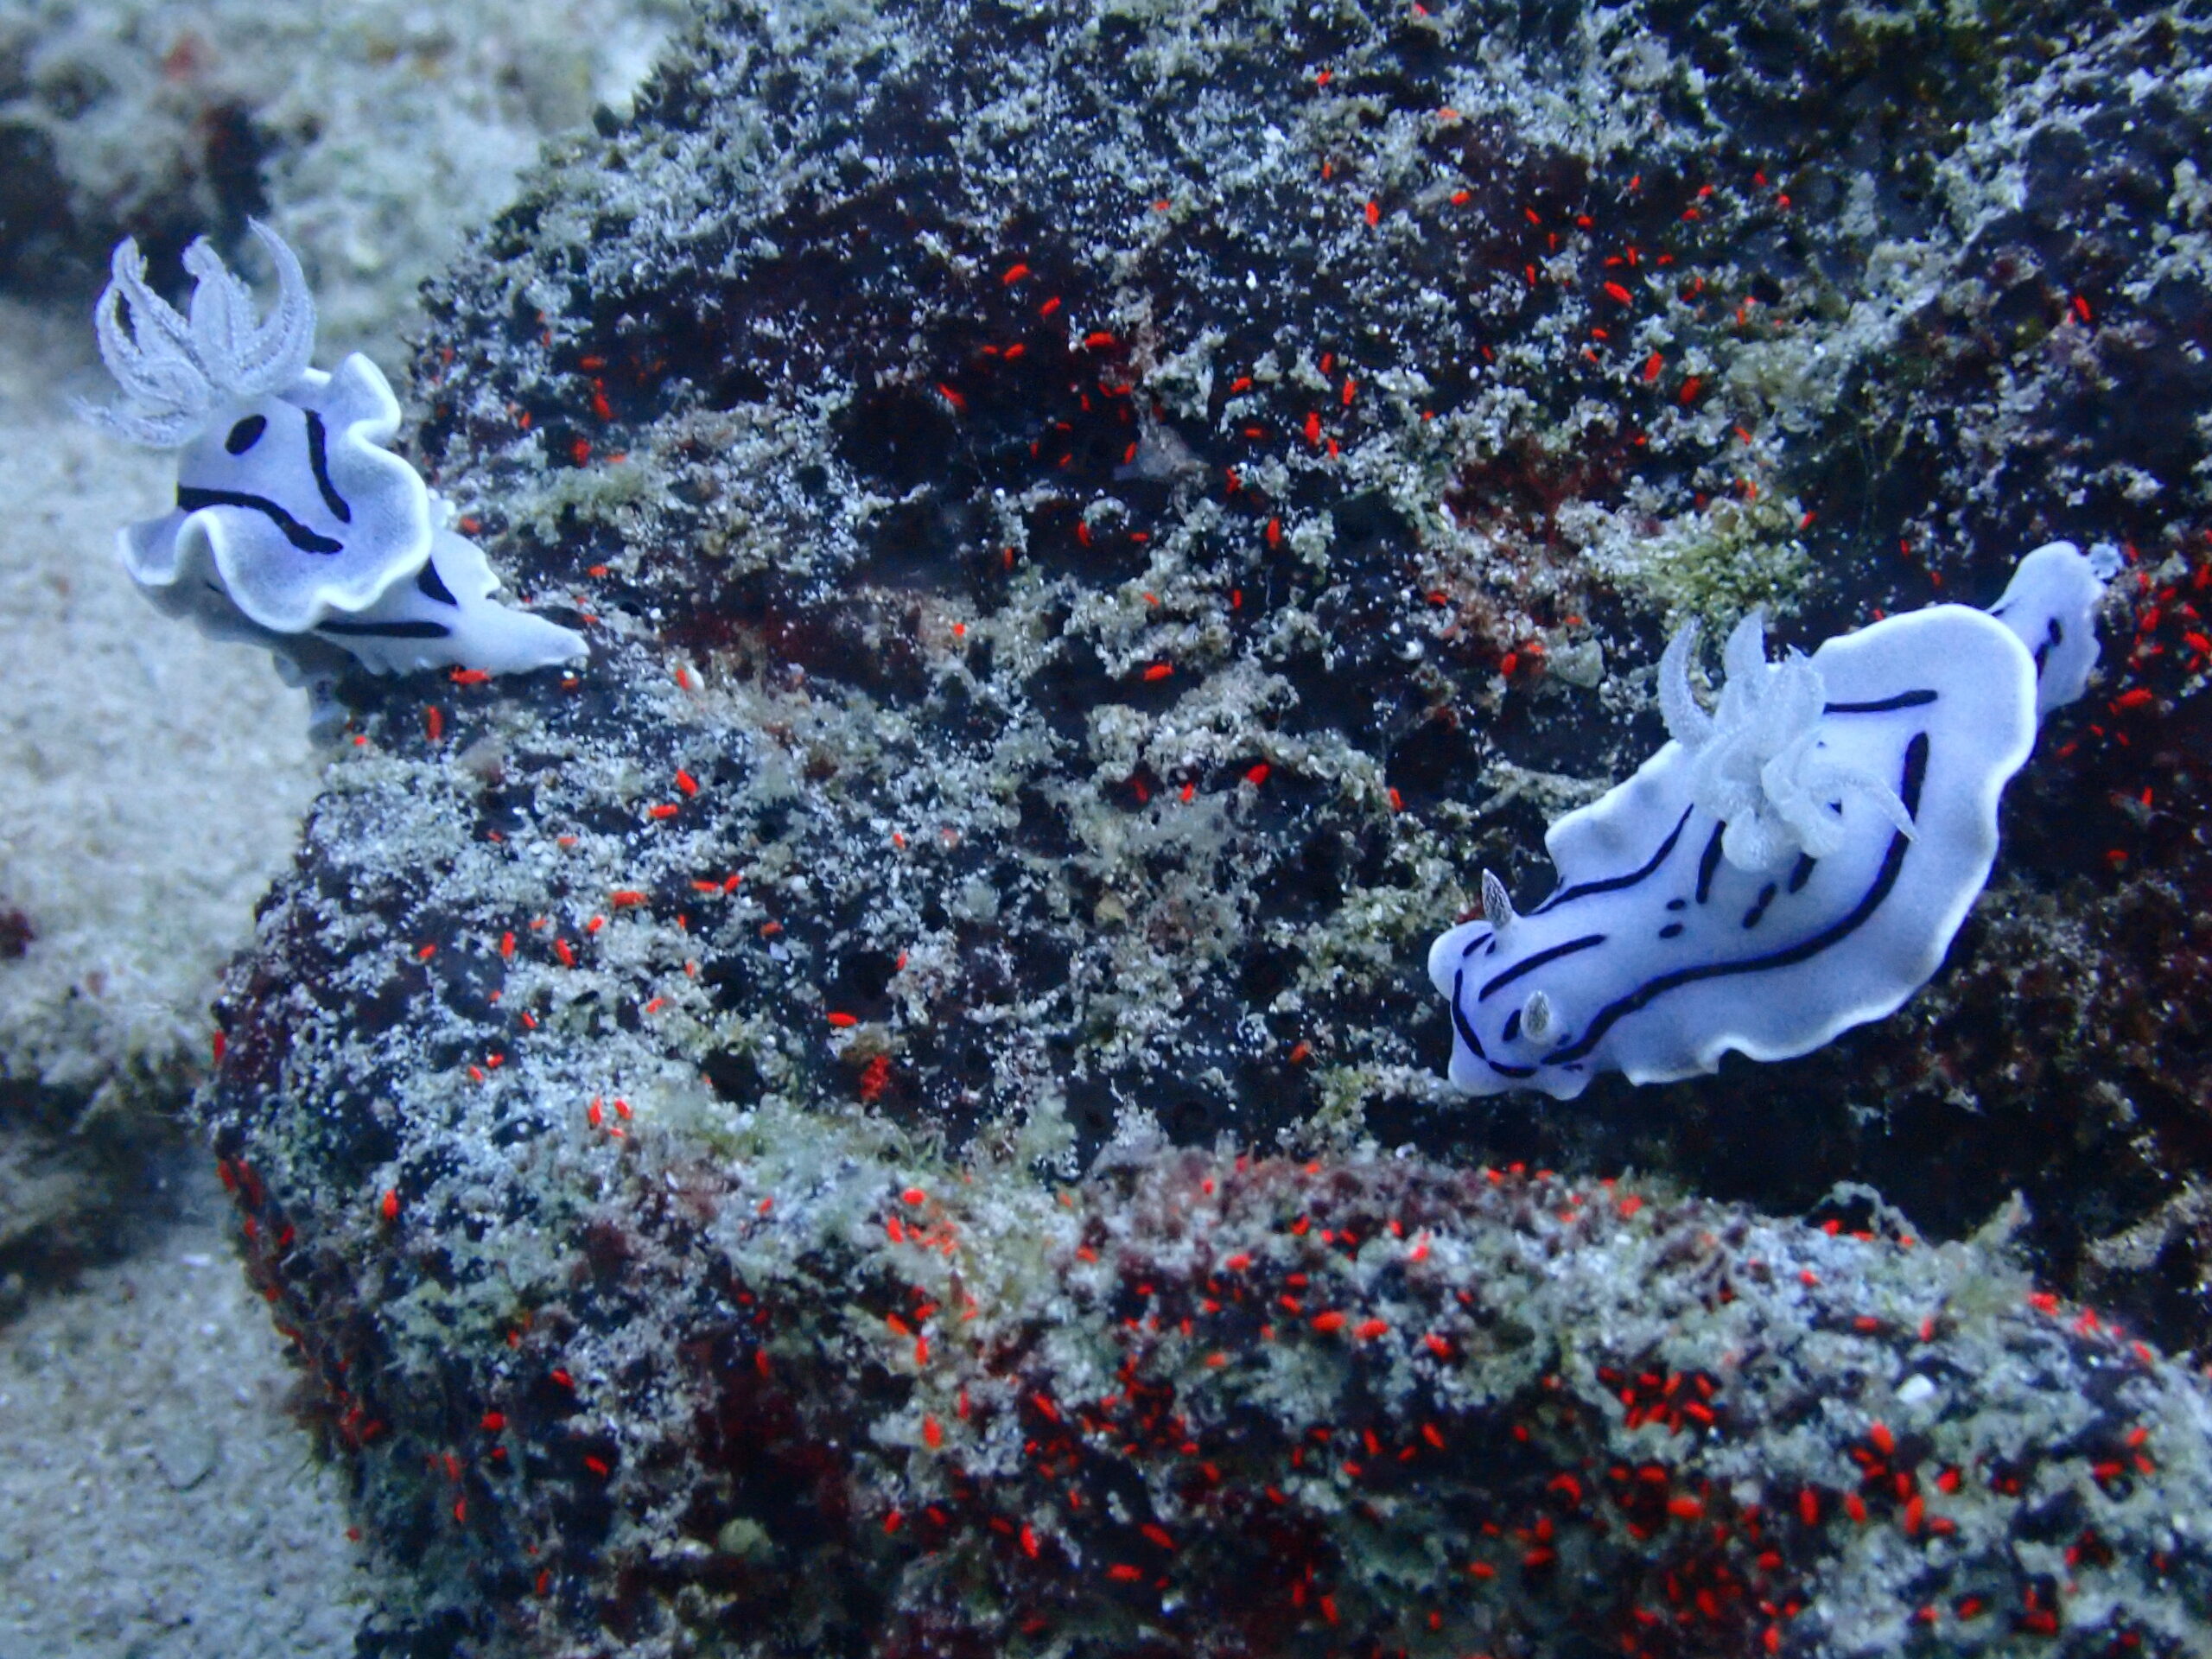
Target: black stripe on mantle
1916 772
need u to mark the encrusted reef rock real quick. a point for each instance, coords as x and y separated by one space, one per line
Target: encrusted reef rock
1094 523
787 1398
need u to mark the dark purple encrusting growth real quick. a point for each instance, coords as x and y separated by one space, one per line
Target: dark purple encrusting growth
1093 528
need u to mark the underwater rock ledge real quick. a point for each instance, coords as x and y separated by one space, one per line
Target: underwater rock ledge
1093 525
790 1399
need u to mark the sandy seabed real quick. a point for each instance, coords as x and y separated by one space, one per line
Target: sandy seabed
156 1496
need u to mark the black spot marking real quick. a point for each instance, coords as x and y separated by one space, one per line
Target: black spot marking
1512 1026
1530 964
246 434
430 585
1801 873
319 458
308 541
387 630
1759 906
1708 861
2053 636
1459 1019
1916 772
1673 929
1614 884
1479 939
1678 904
1902 700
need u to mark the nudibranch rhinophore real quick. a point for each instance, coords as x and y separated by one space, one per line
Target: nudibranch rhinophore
1794 863
292 522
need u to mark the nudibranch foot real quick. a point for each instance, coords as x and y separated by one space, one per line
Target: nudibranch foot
446 616
1793 862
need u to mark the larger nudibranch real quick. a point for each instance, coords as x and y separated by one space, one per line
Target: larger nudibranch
292 521
1793 863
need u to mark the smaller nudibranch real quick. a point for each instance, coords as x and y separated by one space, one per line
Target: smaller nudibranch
293 522
1794 863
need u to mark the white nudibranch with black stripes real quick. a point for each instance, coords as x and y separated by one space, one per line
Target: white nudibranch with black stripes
293 523
1794 863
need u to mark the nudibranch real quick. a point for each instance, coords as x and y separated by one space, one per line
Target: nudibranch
1793 862
293 522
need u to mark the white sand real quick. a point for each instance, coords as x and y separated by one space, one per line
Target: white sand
155 780
155 1499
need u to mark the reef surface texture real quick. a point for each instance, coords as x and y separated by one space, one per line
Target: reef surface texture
855 1122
